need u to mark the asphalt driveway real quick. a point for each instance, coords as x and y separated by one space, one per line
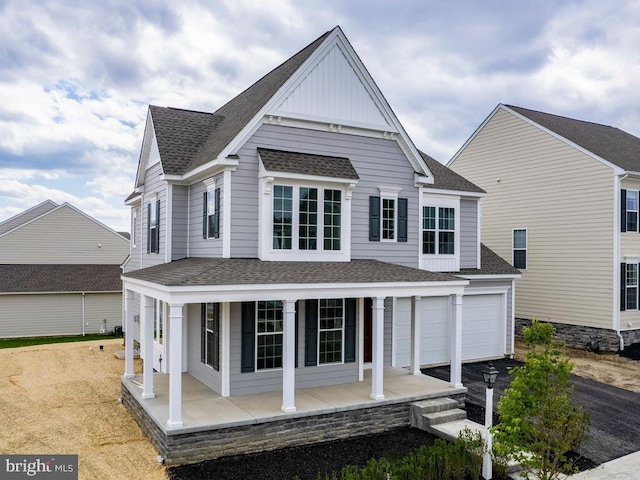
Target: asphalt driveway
615 422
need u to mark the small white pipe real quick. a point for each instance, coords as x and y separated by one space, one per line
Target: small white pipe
83 332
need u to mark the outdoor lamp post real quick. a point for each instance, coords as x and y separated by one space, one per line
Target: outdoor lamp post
489 375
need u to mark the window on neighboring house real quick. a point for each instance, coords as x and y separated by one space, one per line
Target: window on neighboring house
158 316
296 214
269 335
331 330
153 227
210 335
388 219
631 284
211 214
438 230
632 211
520 248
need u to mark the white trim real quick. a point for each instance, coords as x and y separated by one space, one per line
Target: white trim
188 219
61 292
438 261
513 316
389 193
210 183
617 239
479 234
169 223
226 214
360 339
489 276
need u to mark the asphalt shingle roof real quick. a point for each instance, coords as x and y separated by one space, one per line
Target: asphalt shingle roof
490 264
447 179
307 164
252 271
60 278
610 143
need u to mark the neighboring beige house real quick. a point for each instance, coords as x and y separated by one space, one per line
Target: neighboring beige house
59 273
562 205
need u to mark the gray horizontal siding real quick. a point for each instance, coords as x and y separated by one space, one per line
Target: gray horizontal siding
154 184
198 246
57 314
207 375
138 246
180 222
388 331
468 233
379 162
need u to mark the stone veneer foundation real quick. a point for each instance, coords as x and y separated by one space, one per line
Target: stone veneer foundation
271 434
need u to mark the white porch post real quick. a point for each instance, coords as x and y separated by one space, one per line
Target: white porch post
378 349
288 356
225 348
456 340
175 365
415 336
128 335
146 344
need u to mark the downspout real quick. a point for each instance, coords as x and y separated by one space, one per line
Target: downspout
83 331
616 256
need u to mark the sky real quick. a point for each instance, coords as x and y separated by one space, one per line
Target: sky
76 77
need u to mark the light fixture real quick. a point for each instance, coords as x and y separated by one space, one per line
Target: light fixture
489 375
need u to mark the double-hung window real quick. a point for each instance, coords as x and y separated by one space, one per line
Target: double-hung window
438 230
631 286
269 334
388 216
153 227
306 218
632 211
210 335
158 321
520 248
331 331
211 213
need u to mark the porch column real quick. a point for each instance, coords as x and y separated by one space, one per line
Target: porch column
128 335
456 340
146 344
175 365
378 349
415 336
225 349
288 356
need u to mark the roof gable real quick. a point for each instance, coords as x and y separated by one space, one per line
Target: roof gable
26 216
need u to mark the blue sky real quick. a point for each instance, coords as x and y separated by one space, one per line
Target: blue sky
76 77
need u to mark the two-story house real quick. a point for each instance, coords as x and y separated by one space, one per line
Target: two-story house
292 251
562 205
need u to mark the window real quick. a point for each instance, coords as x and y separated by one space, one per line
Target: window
153 227
520 248
210 340
388 218
134 228
631 285
158 316
632 211
269 328
330 328
297 210
211 214
438 230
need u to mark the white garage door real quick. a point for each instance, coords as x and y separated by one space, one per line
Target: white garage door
482 327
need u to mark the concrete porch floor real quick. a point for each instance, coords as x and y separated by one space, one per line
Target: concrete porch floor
203 409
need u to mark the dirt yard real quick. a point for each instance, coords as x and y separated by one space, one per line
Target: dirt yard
63 399
606 368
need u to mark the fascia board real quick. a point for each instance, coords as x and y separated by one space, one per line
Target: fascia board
145 149
61 292
488 276
457 193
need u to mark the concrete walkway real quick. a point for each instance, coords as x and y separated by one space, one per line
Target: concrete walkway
623 468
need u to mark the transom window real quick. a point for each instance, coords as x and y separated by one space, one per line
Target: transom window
297 222
211 335
438 230
631 283
331 329
520 248
269 332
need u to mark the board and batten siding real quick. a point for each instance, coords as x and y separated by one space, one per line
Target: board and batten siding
60 237
564 199
379 163
199 246
271 380
468 233
35 315
154 188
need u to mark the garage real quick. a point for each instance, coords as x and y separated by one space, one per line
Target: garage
483 329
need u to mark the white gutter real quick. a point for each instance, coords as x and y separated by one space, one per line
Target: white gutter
83 314
617 184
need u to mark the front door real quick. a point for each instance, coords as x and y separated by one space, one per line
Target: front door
368 327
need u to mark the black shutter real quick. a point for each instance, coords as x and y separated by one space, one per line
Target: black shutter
157 250
296 339
311 333
204 215
350 330
216 219
374 219
248 337
623 210
403 208
623 287
216 358
203 333
149 228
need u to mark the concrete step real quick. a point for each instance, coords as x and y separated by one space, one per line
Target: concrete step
435 404
445 416
451 430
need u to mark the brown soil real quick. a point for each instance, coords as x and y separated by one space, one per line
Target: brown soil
63 399
608 368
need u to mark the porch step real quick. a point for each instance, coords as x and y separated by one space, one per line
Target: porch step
451 430
435 411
